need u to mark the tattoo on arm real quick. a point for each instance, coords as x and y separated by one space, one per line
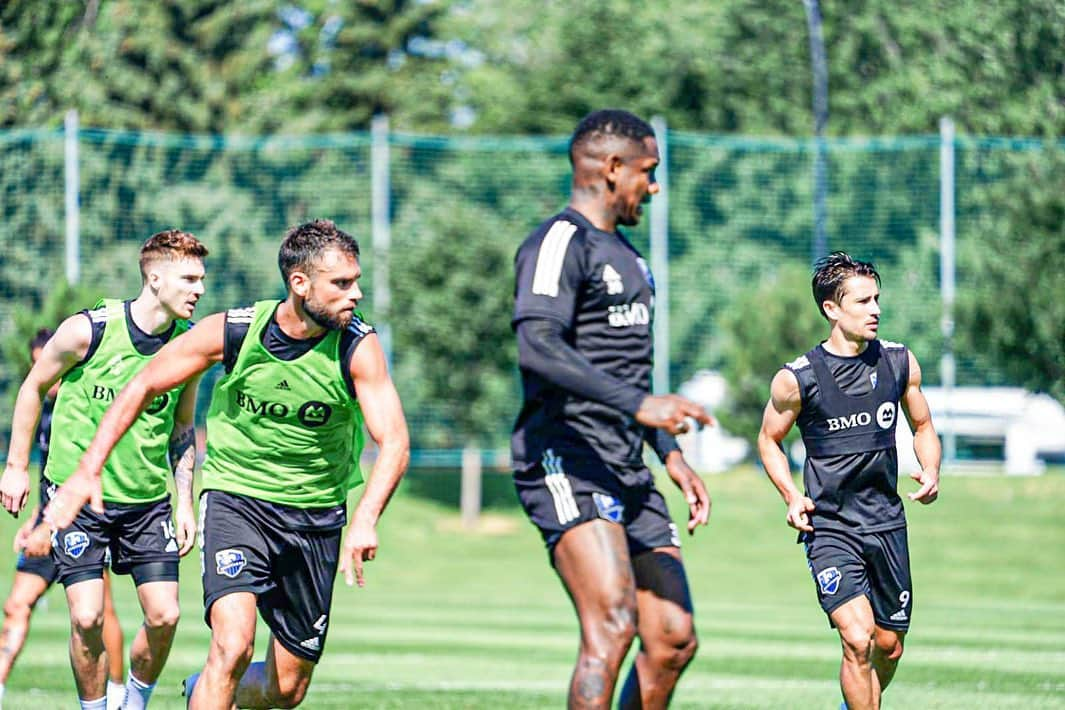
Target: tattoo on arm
183 458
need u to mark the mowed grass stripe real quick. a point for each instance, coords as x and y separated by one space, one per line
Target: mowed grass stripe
465 640
454 619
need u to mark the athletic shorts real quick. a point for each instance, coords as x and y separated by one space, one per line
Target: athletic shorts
847 565
136 538
574 493
246 546
43 567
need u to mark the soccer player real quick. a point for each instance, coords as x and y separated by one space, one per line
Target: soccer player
96 353
34 575
583 305
284 435
845 396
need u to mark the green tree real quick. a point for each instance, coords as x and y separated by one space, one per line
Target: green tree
457 361
217 66
743 66
1017 320
771 323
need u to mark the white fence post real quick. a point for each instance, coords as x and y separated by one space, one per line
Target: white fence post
380 218
71 188
946 279
660 259
470 500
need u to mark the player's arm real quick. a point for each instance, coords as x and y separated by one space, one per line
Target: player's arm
547 288
64 350
180 360
542 349
925 440
183 462
690 483
661 441
781 412
383 416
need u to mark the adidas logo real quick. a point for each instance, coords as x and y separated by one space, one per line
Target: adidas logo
613 280
312 643
171 546
899 615
282 385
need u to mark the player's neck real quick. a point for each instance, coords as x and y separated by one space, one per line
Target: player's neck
840 344
591 207
149 314
295 323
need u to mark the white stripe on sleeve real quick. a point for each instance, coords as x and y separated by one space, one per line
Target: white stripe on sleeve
549 260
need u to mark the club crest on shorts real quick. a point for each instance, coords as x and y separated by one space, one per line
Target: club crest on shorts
75 543
828 580
230 562
609 507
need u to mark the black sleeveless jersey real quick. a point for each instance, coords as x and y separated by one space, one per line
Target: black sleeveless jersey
850 407
598 286
44 429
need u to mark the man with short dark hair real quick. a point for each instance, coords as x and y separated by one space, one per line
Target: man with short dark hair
284 435
583 304
845 396
96 352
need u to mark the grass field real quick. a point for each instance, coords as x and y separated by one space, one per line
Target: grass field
456 619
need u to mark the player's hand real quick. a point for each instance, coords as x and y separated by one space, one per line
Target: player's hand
14 489
38 543
360 545
185 528
929 490
799 510
693 488
671 412
23 533
71 497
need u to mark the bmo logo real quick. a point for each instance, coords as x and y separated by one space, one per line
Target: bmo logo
854 420
885 415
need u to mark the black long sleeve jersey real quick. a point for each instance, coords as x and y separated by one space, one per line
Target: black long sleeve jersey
584 302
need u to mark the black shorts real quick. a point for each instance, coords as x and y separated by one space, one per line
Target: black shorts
43 567
577 492
246 546
136 538
847 565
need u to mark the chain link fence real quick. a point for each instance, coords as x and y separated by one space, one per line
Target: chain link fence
740 212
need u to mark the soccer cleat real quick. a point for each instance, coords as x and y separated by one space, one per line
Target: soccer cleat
187 685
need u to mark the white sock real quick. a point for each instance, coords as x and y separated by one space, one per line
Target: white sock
116 693
100 704
137 693
1 694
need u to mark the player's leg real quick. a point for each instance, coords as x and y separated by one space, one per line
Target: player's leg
281 681
86 601
144 547
665 626
887 650
838 566
114 646
592 559
233 620
25 591
854 621
296 608
891 597
151 644
78 552
236 570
